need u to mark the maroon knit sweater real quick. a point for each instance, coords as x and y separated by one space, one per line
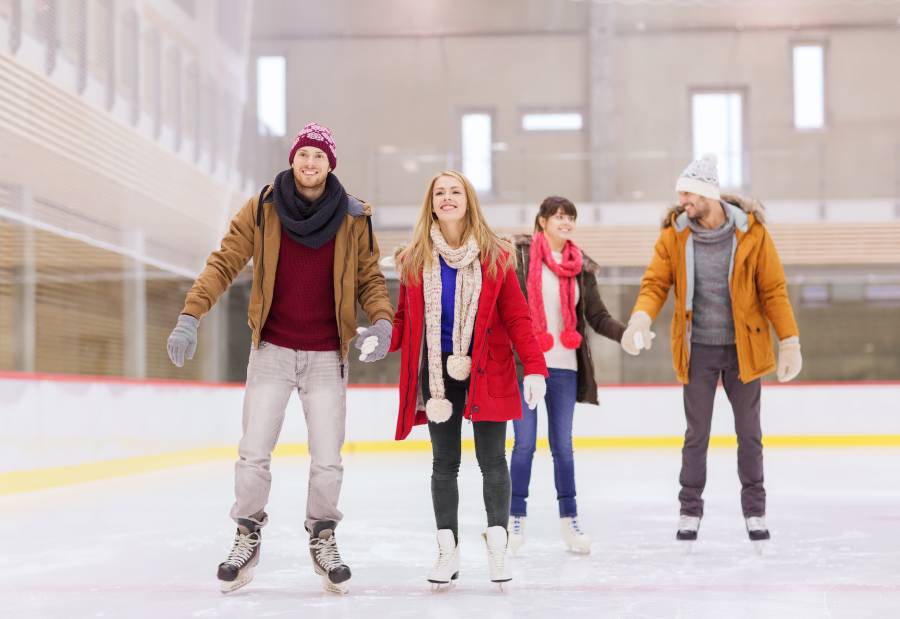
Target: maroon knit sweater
302 316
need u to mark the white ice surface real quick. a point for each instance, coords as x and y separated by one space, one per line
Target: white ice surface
147 546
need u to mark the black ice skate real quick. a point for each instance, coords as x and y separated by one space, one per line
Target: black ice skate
327 560
237 570
756 529
687 528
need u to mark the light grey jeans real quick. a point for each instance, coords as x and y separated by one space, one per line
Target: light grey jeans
320 379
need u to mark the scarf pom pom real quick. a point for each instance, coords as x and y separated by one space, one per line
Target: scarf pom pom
438 410
545 341
570 339
459 366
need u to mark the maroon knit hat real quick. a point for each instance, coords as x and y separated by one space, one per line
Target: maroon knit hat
314 134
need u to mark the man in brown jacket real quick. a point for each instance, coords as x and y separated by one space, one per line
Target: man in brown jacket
729 288
314 257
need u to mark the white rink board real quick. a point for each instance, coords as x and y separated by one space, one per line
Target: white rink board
49 423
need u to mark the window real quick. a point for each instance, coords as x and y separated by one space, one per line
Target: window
718 128
271 94
129 68
555 121
809 86
476 150
152 80
173 93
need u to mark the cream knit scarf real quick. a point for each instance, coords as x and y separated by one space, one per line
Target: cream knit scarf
468 290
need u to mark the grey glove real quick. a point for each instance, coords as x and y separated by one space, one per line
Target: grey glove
373 342
183 339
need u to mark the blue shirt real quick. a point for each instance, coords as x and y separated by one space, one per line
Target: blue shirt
448 305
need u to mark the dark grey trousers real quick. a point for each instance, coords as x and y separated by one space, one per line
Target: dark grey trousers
446 449
708 364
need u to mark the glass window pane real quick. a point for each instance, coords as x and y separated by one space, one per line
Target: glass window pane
476 150
567 121
271 93
809 87
718 129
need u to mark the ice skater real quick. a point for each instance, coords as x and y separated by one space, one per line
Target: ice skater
729 287
561 287
459 314
314 257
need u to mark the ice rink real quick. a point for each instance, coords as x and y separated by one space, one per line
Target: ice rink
146 546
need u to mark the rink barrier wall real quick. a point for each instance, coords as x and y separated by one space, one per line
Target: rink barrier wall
61 430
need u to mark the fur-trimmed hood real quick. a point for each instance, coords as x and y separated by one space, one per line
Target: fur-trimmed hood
749 206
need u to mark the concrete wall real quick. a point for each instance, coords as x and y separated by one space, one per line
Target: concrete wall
399 75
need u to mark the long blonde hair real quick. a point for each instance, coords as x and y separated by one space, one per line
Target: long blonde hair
418 255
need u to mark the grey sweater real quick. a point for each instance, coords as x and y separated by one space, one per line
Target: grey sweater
713 322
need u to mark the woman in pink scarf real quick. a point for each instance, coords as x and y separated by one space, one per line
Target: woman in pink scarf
560 284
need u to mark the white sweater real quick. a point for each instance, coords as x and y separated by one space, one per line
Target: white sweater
559 356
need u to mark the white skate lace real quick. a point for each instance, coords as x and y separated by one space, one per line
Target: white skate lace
496 559
517 525
756 523
688 523
243 548
327 554
443 559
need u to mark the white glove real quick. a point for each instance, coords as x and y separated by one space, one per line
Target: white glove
789 360
535 388
638 334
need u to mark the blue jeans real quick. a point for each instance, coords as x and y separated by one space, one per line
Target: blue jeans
562 388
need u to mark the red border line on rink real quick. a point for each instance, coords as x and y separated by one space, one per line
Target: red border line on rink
176 382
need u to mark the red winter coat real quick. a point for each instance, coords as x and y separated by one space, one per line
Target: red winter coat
502 321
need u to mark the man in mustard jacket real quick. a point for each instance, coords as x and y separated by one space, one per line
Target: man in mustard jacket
314 258
729 288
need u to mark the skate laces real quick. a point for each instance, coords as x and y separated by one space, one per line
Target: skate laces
573 523
756 523
444 558
517 525
688 523
244 546
327 554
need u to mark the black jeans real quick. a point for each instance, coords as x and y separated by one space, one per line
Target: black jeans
446 449
708 365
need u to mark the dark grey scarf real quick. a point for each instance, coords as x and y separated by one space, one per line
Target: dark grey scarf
312 224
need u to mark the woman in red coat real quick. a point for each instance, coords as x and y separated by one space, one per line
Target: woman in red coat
459 315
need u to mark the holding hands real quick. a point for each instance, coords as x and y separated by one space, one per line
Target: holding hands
638 334
374 341
535 388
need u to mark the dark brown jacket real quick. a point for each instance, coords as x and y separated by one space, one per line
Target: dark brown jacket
590 310
356 273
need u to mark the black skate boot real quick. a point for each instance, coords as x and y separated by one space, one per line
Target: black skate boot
237 570
687 528
757 530
326 560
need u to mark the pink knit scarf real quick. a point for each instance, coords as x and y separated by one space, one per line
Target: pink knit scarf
566 272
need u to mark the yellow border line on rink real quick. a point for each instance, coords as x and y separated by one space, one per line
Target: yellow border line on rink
14 482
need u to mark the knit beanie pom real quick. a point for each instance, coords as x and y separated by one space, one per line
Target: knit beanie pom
438 410
545 341
570 339
459 366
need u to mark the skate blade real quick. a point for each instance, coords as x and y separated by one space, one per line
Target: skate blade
688 546
342 588
502 585
579 550
761 547
441 587
242 579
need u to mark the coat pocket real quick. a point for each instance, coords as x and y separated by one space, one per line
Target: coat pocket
760 344
501 374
